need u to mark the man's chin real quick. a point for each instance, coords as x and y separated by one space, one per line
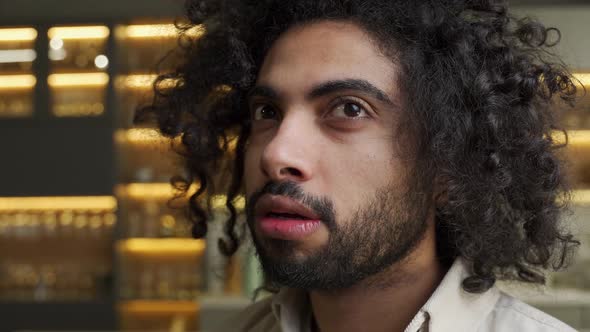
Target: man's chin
278 250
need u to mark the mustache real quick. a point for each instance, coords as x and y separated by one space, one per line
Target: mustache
322 206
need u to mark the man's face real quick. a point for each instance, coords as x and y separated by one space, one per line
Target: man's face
328 196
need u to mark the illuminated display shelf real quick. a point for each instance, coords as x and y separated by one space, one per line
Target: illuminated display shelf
164 191
151 137
17 82
581 197
158 306
75 80
161 248
146 81
24 34
146 191
142 136
55 203
579 138
583 77
142 82
148 31
136 81
79 32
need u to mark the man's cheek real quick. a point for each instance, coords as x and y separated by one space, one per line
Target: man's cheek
250 175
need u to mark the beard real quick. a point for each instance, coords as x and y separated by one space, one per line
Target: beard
380 233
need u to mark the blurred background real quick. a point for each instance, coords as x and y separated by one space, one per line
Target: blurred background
88 238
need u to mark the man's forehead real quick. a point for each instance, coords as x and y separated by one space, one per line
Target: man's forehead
320 52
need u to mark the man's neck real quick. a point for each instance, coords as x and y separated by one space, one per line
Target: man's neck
387 302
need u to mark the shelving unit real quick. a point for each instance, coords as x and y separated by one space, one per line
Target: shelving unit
160 268
56 225
77 79
145 262
17 81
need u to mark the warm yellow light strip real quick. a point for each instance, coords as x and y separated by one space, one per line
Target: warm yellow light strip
161 247
151 137
581 197
150 307
78 80
150 31
164 191
18 34
79 32
140 136
17 81
143 81
103 203
78 110
146 191
137 81
579 137
159 31
584 78
575 137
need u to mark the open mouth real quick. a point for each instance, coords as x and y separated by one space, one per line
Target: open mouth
286 216
287 225
286 219
283 208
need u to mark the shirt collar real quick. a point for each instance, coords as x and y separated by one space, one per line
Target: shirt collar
292 310
449 300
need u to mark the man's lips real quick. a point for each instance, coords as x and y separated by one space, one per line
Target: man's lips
272 204
283 218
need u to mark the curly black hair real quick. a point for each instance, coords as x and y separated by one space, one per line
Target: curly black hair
480 89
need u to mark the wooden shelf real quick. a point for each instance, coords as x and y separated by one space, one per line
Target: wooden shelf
57 203
158 315
164 191
148 307
169 248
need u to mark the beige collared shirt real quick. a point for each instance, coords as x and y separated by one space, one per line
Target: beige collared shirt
449 308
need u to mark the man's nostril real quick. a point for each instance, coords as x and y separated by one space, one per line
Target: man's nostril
292 171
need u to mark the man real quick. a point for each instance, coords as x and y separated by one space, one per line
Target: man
397 158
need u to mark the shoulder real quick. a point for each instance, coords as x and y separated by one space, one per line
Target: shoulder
257 317
510 314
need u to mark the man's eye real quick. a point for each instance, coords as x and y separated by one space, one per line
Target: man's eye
264 112
349 110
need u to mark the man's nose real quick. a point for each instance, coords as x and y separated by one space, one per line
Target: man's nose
290 155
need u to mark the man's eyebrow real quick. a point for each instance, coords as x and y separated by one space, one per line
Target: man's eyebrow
350 84
327 88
